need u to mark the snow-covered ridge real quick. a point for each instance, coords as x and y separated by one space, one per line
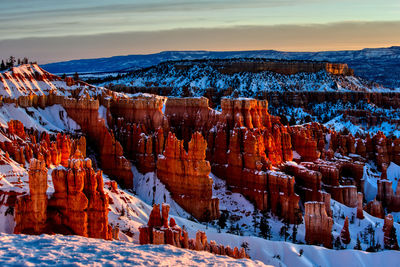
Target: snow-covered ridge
31 80
198 76
375 64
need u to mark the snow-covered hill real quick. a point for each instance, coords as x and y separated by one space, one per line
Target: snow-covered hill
376 64
32 80
198 76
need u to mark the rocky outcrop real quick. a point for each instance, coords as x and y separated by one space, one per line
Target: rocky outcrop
375 208
390 237
308 182
159 232
51 152
318 224
31 210
282 67
305 98
282 199
188 115
143 109
345 234
85 112
140 146
186 175
360 212
246 142
17 128
386 195
79 202
78 206
304 143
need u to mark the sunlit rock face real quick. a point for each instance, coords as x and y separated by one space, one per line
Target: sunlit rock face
186 174
113 163
292 171
78 206
318 224
159 232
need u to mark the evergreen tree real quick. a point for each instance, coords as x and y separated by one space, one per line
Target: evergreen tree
337 244
2 66
11 62
76 76
265 228
255 221
222 219
245 245
294 233
284 231
370 231
358 244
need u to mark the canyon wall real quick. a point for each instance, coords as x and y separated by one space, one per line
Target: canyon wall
85 112
283 67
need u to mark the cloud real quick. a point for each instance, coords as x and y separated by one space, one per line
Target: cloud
311 37
21 19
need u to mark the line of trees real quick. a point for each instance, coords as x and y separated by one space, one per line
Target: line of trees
12 61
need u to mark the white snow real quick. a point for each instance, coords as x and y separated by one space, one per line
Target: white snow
50 250
144 184
393 174
53 118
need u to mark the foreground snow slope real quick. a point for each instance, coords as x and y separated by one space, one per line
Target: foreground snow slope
42 250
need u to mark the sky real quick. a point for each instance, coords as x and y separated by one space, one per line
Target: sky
49 31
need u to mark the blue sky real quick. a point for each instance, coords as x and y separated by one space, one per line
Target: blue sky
52 21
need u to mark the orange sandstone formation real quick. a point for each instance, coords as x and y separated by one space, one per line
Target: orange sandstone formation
31 210
390 237
375 208
186 175
85 112
78 206
360 212
345 234
159 232
318 224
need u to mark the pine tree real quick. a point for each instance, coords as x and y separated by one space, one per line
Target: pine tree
338 243
284 231
11 62
294 233
245 245
265 228
358 244
222 220
255 221
76 76
2 66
